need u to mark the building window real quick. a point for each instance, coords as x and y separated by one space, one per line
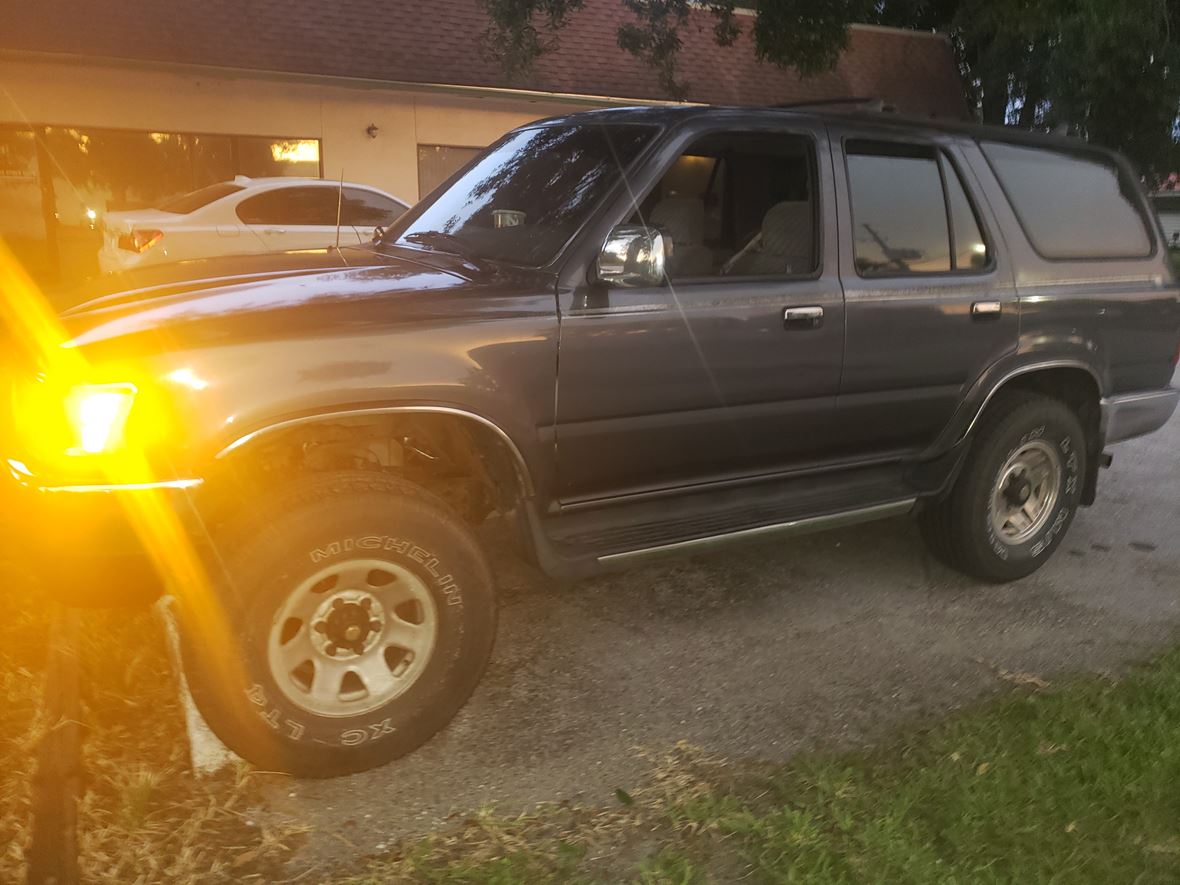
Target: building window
58 182
438 162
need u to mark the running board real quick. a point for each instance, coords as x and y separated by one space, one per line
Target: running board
777 530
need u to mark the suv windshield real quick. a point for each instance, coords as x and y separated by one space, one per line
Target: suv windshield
198 199
523 199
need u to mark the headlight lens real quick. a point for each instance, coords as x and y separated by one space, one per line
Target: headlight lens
97 415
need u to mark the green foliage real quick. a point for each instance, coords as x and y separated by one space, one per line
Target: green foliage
1073 784
1103 69
807 35
512 37
1108 70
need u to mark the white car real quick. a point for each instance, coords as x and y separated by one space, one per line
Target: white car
243 216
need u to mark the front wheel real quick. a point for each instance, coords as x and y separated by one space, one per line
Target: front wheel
1017 494
361 615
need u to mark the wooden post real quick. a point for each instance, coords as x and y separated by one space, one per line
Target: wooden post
57 783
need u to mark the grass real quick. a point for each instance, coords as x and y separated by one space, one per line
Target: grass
1069 783
143 818
1077 783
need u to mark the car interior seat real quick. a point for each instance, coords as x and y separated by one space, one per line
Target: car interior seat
684 220
784 245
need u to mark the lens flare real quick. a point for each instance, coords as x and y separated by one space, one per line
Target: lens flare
98 412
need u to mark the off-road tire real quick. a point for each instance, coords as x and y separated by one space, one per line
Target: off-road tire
261 559
959 529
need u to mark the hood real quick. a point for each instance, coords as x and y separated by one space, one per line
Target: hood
160 280
278 295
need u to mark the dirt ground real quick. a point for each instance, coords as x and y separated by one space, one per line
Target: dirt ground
829 641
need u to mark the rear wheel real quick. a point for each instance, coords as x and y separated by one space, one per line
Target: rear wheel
360 615
1017 494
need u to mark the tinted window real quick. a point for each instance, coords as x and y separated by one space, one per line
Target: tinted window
291 205
367 209
198 199
526 195
970 250
1071 206
898 210
738 204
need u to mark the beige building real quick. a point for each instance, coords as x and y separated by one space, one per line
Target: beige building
113 106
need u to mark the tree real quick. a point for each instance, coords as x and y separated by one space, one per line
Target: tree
1107 70
807 35
512 37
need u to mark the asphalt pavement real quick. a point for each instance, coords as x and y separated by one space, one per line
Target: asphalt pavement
828 641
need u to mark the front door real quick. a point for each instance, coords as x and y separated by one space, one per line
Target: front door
730 369
928 289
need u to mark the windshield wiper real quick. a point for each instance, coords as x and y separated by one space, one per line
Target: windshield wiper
437 240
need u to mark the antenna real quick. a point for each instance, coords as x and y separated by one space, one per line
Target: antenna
339 204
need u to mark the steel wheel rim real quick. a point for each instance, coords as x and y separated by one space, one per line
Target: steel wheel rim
1026 492
352 637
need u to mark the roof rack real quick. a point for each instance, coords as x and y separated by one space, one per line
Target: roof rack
858 103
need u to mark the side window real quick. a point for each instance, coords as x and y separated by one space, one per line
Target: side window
899 214
738 204
910 211
367 209
291 206
971 250
1071 205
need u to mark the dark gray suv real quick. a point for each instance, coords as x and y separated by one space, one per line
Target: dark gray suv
623 334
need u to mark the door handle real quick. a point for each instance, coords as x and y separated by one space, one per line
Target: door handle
986 310
273 230
811 317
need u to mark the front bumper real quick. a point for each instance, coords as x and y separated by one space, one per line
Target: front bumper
1131 415
83 541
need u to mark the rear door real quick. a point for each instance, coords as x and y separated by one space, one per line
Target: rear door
928 288
300 217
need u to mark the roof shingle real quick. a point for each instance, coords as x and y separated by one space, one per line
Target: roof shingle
439 42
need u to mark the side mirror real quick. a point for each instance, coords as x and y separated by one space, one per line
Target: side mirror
378 233
634 255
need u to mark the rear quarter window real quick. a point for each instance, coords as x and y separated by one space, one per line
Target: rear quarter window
1071 205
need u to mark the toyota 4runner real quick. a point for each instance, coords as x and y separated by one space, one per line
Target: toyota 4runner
622 334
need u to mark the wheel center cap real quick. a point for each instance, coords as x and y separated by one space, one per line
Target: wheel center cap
347 625
1018 492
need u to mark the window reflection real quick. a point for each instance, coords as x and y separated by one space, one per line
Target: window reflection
57 183
525 197
22 218
898 211
1071 205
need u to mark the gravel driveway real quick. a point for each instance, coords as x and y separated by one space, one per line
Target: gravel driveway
826 641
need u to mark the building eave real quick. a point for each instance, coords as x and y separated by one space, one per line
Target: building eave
188 69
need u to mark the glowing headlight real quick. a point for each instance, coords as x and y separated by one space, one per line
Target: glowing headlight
97 415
